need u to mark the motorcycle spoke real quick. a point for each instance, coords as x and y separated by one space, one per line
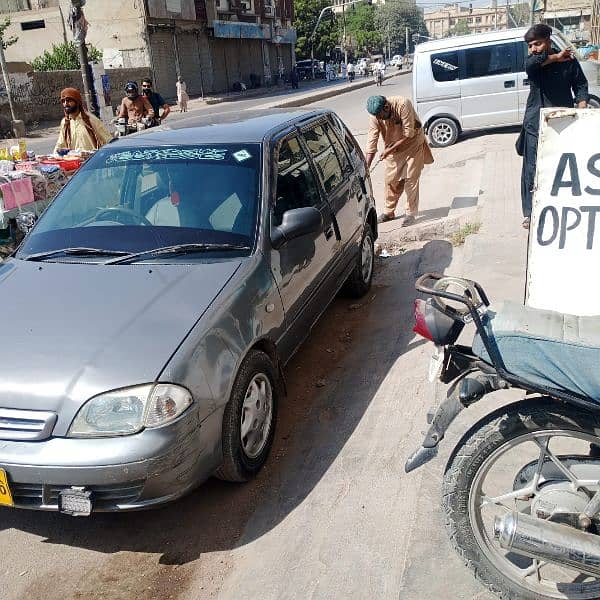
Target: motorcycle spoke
541 460
557 463
498 500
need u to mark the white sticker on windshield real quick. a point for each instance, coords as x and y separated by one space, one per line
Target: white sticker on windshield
242 155
148 154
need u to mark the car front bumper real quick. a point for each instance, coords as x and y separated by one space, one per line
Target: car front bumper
133 472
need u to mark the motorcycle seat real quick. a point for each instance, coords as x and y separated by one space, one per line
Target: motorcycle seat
546 348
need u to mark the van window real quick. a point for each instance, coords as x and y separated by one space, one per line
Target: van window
445 66
489 60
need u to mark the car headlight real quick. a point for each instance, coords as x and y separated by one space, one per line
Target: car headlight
129 410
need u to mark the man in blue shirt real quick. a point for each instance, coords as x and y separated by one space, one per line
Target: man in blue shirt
155 99
555 80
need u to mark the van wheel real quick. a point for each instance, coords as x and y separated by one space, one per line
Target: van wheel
443 132
249 419
594 102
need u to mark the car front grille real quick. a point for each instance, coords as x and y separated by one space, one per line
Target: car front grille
35 495
26 425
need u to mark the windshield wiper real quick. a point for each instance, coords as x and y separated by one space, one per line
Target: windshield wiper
176 249
75 252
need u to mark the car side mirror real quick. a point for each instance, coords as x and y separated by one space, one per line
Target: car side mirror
296 223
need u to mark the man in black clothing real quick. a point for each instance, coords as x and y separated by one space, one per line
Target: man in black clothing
555 79
155 99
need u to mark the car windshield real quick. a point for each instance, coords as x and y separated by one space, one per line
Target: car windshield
137 199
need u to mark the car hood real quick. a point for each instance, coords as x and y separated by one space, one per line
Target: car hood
72 331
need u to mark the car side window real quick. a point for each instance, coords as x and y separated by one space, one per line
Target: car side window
496 59
445 66
323 153
296 184
339 149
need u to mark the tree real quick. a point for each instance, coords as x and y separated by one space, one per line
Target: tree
327 35
360 27
461 28
63 57
393 17
520 13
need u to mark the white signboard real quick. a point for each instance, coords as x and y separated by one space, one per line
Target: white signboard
563 268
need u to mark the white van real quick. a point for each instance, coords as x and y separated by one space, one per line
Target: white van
477 81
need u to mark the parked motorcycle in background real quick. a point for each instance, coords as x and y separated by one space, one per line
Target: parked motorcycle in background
521 490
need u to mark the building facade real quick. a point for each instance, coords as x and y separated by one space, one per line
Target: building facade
572 17
212 44
451 18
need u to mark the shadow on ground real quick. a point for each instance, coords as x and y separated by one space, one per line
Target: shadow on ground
352 347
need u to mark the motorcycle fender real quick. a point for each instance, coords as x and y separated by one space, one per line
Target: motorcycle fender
463 392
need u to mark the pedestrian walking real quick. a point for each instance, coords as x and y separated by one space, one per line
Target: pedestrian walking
182 96
294 77
79 129
344 68
405 152
555 80
351 72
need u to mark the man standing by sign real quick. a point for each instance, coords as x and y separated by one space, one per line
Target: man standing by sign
556 80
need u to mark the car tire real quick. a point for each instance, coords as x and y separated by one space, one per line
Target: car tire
594 102
443 132
256 383
359 281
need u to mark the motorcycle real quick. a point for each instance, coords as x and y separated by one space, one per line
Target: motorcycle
521 490
379 77
351 76
124 127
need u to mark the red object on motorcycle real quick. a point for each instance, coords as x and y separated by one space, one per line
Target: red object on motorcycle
434 325
421 327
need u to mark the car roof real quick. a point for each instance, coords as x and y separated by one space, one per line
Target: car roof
245 126
471 39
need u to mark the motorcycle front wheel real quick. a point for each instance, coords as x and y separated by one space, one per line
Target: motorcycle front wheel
531 457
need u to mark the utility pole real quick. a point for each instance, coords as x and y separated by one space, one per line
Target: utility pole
344 34
79 27
407 42
533 4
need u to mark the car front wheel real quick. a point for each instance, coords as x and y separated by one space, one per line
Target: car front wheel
249 419
443 132
359 282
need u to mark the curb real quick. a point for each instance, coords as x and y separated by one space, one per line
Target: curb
442 228
302 100
296 102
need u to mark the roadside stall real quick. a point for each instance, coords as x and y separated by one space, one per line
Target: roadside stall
28 183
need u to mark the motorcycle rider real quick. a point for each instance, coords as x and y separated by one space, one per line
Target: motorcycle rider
156 100
134 107
351 71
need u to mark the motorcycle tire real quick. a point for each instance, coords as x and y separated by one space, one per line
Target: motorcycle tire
505 428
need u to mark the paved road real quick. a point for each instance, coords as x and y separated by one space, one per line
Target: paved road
331 516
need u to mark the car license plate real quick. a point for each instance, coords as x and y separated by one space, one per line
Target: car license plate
6 498
435 364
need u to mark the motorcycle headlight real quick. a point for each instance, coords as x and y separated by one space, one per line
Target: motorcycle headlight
129 410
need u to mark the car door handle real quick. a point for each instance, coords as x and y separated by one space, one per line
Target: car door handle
510 84
329 233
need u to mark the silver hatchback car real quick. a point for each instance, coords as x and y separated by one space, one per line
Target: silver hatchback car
157 299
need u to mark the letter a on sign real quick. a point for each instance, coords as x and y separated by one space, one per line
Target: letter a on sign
564 238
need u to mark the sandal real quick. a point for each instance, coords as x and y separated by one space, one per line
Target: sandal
526 222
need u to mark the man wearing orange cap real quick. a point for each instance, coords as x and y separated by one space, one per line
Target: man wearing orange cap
79 130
